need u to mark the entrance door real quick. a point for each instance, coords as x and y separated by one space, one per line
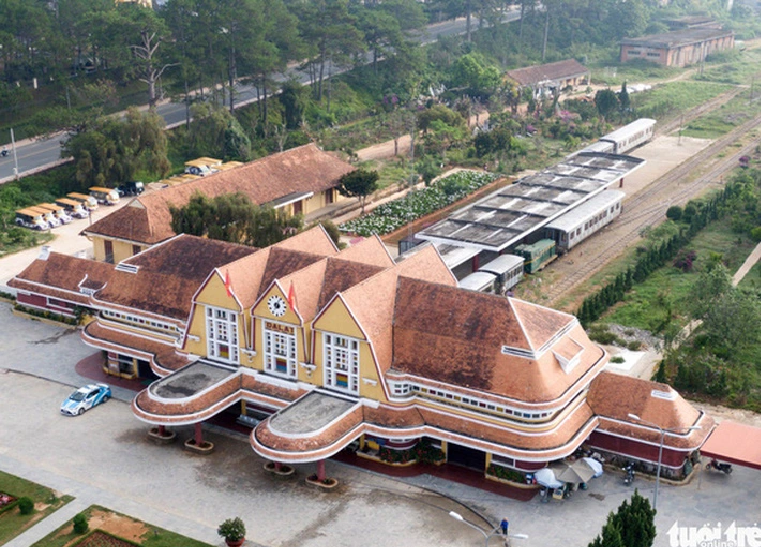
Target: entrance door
145 371
466 457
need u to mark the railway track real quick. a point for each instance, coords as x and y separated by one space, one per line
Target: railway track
648 206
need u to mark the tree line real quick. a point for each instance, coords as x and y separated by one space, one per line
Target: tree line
658 255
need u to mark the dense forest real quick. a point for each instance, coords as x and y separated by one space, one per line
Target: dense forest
63 60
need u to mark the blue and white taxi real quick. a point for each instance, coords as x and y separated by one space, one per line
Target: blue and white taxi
85 398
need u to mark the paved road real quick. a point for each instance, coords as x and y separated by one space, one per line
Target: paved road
104 457
45 153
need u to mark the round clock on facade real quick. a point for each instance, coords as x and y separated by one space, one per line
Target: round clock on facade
277 306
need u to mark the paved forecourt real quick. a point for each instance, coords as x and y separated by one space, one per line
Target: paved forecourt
104 457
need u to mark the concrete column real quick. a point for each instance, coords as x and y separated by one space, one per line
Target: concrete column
198 434
321 475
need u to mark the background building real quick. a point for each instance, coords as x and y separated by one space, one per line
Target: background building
678 48
550 78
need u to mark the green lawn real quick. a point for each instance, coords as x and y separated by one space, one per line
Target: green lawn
153 536
12 523
614 74
734 67
722 120
671 98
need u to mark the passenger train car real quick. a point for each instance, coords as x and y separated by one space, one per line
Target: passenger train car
625 138
575 226
630 136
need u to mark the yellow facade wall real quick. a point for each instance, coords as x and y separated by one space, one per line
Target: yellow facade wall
214 294
121 249
337 320
316 202
262 316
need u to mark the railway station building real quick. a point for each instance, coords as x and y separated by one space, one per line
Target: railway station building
322 350
298 181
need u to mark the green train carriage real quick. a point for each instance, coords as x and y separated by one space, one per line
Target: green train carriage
537 255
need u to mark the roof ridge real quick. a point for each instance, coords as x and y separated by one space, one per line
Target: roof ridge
520 323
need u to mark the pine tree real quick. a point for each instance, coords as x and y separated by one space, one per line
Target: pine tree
660 374
632 525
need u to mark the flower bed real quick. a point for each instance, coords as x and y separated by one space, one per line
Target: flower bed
393 215
98 538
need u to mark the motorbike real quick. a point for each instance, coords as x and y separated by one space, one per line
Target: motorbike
3 152
629 477
723 467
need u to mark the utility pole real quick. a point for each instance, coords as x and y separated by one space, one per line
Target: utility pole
546 28
15 157
681 121
752 80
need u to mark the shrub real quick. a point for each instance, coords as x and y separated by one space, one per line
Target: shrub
674 213
232 529
755 234
617 359
25 506
80 523
506 474
685 259
602 337
634 345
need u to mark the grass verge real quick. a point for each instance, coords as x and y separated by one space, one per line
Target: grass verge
46 501
123 526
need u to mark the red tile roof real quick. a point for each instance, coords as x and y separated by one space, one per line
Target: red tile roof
561 70
60 276
146 219
456 337
613 397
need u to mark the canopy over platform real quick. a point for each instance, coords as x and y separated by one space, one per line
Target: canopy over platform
735 443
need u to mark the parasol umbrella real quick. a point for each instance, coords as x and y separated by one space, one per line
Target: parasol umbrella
546 477
576 473
594 465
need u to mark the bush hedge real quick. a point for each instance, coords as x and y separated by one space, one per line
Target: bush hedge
25 505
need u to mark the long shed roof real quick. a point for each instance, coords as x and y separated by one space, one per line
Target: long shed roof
508 215
588 209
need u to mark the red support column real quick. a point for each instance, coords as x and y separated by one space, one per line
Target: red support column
198 434
277 465
321 475
162 430
474 264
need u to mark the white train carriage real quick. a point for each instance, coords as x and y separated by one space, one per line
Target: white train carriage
508 269
599 146
575 226
630 136
479 282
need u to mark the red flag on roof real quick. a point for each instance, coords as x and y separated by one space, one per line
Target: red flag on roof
228 284
292 298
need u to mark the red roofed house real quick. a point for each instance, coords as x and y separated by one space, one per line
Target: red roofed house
300 180
334 349
550 78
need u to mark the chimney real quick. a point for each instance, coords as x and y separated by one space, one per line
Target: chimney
45 252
